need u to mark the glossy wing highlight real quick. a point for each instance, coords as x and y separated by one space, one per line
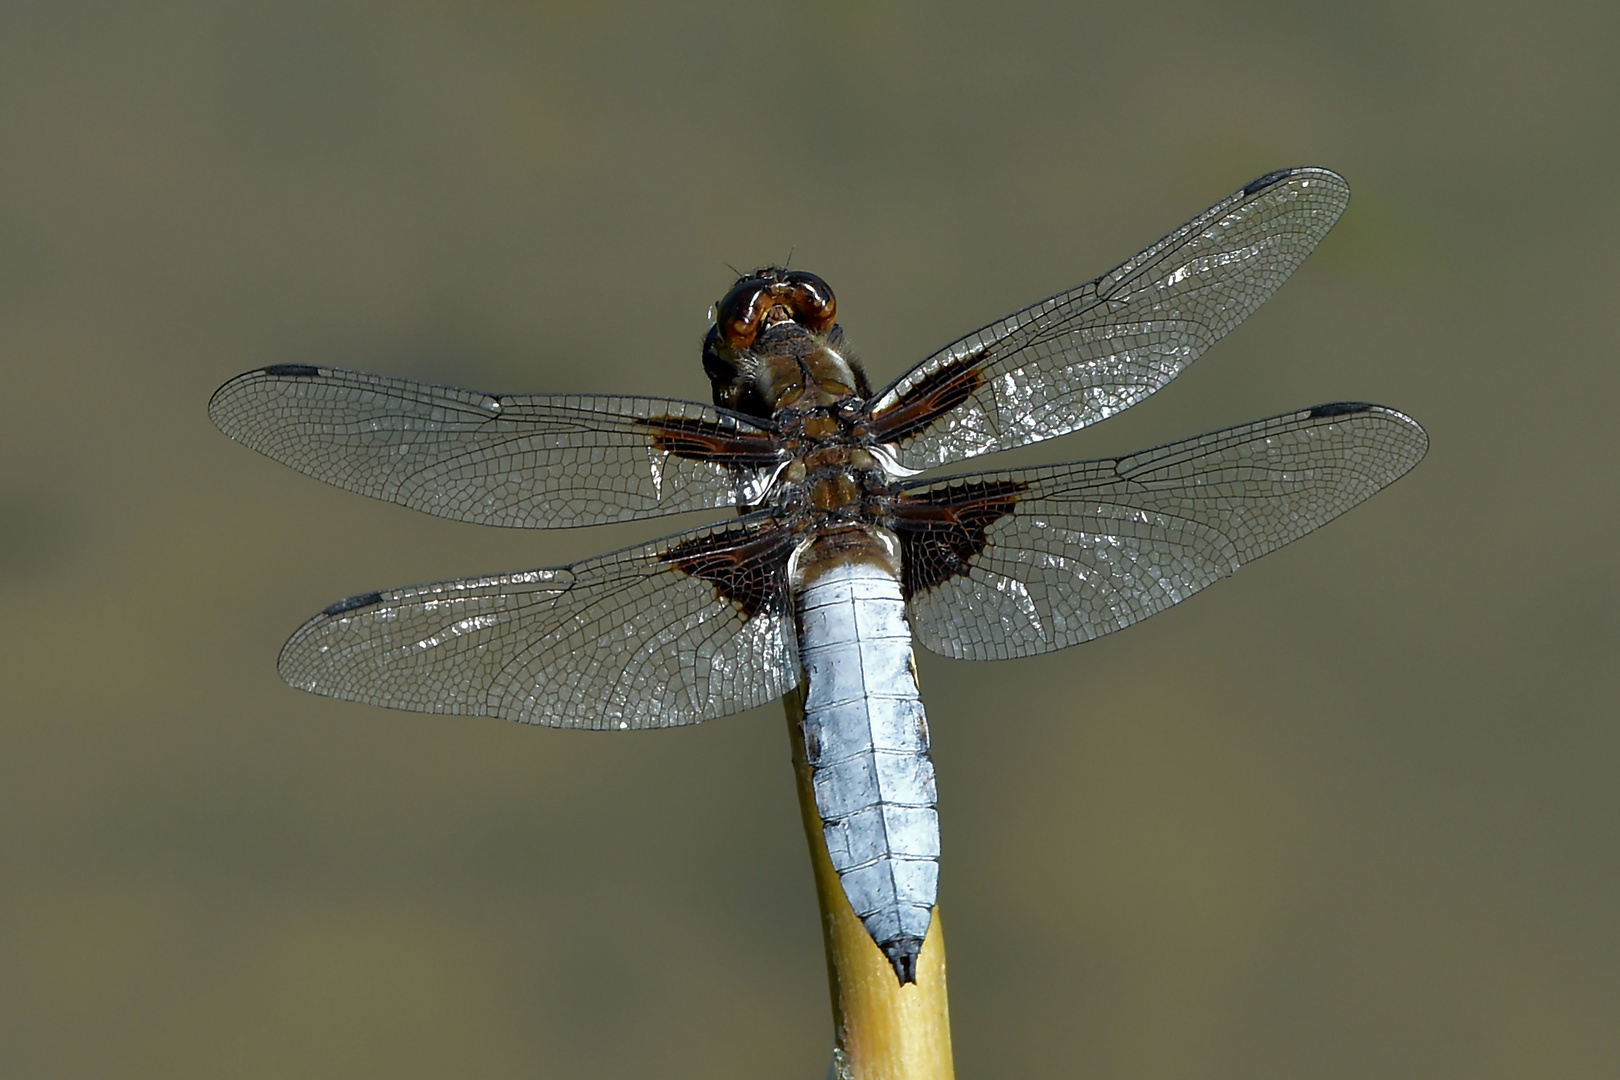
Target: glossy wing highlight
526 461
1086 354
689 628
1040 559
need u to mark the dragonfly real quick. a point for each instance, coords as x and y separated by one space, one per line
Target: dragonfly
844 545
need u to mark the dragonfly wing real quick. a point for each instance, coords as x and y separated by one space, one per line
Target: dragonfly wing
688 628
527 461
1022 562
1086 354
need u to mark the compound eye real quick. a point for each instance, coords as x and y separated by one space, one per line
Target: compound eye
813 303
739 314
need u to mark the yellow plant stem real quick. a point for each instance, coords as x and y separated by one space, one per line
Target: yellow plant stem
882 1030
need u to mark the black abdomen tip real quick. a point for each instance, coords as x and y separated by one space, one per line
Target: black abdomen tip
902 953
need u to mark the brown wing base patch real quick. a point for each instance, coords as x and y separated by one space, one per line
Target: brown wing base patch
747 567
935 395
942 529
702 440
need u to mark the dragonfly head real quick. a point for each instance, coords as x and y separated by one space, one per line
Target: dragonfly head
776 344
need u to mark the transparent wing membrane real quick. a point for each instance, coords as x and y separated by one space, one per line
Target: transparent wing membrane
1086 354
1068 553
686 629
528 461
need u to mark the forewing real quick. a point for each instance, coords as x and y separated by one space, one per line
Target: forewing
1017 563
685 629
527 461
1086 354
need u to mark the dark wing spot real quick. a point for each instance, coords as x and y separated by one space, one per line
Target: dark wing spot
1271 179
293 371
937 394
354 602
747 567
702 440
1339 408
942 529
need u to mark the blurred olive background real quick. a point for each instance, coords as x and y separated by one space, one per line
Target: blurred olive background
1353 813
